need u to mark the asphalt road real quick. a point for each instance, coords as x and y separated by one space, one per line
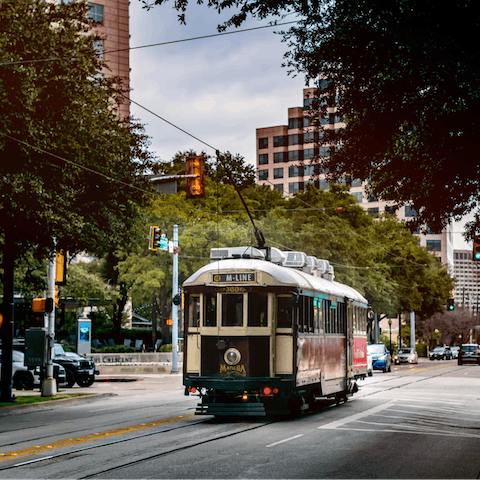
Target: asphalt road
418 421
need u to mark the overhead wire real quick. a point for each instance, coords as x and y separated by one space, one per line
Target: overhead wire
159 44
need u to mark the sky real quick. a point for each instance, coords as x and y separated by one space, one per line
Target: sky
218 89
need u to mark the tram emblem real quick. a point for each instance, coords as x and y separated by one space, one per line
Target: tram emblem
234 370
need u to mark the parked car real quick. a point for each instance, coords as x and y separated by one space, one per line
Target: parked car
406 355
455 351
441 353
26 379
381 358
79 370
469 353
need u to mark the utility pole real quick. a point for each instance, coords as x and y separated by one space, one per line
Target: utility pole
49 386
175 307
412 329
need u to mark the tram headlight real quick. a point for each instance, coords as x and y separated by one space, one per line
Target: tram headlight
232 356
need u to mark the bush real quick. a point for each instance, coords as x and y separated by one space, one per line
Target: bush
165 348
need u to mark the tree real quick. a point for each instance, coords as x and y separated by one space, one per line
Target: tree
404 75
72 170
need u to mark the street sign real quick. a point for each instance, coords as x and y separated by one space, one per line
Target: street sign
163 244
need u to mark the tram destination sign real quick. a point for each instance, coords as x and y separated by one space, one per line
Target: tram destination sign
234 277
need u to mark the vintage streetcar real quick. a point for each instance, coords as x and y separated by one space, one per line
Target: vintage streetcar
270 332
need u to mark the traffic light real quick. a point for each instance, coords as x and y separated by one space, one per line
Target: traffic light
155 236
195 176
42 305
476 248
61 267
451 304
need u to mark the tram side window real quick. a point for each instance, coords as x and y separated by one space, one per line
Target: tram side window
232 310
309 314
328 316
257 310
284 312
194 311
342 317
210 310
319 316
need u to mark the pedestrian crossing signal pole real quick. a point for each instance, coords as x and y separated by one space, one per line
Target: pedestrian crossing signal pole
175 307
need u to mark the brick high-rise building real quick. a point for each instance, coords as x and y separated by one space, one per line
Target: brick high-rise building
283 162
112 24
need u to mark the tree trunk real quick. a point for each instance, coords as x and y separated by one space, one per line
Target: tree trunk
118 311
154 320
8 319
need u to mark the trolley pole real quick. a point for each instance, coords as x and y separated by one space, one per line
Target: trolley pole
175 307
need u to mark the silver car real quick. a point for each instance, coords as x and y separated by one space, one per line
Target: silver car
406 355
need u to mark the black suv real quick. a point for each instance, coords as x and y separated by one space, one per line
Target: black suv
78 369
469 353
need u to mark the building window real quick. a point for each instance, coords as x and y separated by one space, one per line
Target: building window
295 123
279 141
279 157
310 137
278 173
373 211
294 187
296 139
356 182
410 212
279 187
263 143
295 155
263 159
434 245
295 171
358 196
95 14
263 174
99 48
308 153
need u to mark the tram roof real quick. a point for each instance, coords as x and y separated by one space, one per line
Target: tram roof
283 275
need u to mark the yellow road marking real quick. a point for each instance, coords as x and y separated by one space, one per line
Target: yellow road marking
89 438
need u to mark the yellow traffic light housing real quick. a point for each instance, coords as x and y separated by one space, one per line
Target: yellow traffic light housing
195 185
155 236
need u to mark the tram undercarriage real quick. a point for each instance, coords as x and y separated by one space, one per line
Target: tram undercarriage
261 397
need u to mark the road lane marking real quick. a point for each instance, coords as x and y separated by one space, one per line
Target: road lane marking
91 437
283 441
356 416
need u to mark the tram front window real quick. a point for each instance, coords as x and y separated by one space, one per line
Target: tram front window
257 309
210 310
232 310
